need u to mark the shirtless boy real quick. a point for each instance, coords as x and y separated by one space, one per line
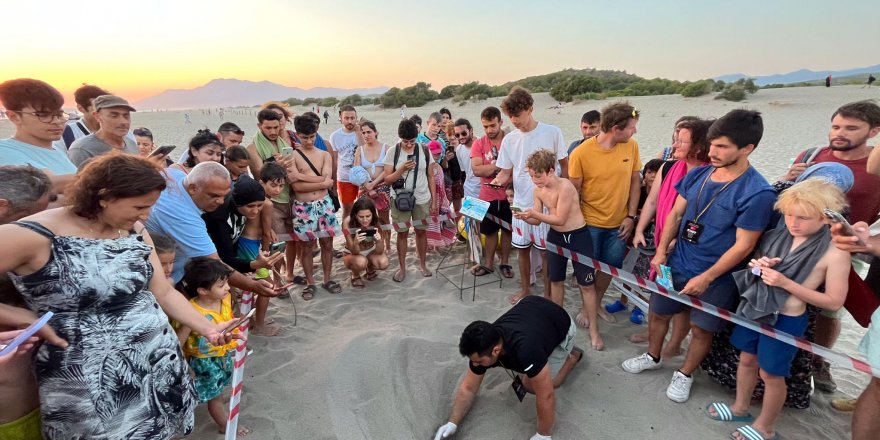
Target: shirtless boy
313 209
807 262
567 229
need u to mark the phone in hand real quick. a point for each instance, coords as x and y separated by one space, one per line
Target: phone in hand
368 232
492 185
287 151
837 218
235 324
515 208
274 248
410 157
25 335
162 151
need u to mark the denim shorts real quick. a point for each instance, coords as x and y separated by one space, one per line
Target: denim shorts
607 246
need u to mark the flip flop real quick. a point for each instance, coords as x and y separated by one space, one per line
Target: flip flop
357 282
481 271
506 270
371 275
332 287
308 292
723 413
399 276
749 433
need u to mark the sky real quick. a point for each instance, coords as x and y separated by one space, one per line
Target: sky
137 49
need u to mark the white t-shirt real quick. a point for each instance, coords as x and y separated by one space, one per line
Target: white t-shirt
517 147
422 191
472 182
345 145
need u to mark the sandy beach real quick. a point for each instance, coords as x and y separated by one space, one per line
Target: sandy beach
383 363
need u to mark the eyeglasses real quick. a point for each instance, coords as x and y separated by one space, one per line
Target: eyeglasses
408 141
47 117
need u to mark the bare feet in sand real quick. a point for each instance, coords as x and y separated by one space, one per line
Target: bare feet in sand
425 272
670 352
242 431
596 341
607 317
266 330
513 299
638 338
582 320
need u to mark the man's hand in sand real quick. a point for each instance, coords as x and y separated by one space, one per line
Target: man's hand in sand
446 431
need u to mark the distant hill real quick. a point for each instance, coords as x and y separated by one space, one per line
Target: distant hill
234 92
802 75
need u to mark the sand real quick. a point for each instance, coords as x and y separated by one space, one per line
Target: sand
383 363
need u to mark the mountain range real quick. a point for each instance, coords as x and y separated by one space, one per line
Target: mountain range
800 75
234 92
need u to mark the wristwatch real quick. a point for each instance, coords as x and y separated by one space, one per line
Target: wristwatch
632 217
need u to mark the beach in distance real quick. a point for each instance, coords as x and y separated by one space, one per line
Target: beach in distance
383 362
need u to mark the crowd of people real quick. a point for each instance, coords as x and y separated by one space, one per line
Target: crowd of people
102 228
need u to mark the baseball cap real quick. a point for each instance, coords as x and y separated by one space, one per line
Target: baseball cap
109 101
435 147
836 173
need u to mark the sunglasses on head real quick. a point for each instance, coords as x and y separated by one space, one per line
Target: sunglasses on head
239 132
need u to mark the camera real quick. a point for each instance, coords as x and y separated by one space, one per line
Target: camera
398 184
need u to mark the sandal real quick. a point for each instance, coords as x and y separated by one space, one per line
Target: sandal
309 292
357 282
299 280
750 433
723 413
506 270
332 287
481 270
371 275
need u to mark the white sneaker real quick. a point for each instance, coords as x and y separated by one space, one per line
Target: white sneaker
679 389
640 363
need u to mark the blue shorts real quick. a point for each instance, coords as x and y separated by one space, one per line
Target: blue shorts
607 246
721 293
774 357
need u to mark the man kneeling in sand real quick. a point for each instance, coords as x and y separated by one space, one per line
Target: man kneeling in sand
568 229
534 338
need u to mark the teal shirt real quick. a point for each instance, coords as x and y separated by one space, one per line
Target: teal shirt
14 152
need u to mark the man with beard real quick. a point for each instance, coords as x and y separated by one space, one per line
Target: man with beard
465 134
851 127
722 211
345 141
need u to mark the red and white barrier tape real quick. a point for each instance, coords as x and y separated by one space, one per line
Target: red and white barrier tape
841 359
312 235
247 300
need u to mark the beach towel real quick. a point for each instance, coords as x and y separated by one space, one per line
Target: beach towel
761 302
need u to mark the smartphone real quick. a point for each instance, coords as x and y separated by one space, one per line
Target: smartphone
239 322
515 208
410 157
25 335
277 247
490 185
287 151
369 232
162 151
835 217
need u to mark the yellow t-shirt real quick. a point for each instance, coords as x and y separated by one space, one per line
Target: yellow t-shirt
197 345
606 181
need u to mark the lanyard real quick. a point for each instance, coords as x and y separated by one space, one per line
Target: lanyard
506 370
712 200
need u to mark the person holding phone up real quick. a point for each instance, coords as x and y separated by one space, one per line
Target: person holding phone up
365 246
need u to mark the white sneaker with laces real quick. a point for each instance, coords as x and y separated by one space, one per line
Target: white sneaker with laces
679 389
640 363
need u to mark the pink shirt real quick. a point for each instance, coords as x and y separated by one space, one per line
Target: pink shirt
483 147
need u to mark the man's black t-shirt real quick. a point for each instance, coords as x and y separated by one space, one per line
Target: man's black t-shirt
531 330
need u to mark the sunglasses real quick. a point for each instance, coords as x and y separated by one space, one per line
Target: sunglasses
461 135
238 131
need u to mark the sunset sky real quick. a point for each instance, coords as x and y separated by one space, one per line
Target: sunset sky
139 48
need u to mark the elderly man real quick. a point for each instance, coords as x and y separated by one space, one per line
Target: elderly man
24 190
178 214
114 116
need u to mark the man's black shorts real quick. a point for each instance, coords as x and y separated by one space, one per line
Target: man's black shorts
577 241
500 209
